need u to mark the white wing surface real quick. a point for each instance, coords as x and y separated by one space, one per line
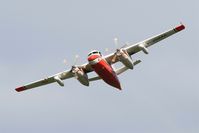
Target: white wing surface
55 78
143 45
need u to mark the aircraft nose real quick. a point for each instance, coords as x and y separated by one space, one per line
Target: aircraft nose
118 86
92 57
115 83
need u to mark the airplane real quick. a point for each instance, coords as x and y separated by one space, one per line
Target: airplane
102 65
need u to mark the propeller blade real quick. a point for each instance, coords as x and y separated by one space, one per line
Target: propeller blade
125 45
65 62
116 41
114 58
76 59
106 50
76 56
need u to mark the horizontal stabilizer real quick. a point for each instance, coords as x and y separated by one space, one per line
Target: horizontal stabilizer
124 68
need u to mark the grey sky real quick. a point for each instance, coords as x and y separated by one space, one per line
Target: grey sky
159 95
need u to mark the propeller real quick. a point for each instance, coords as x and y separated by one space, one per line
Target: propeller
116 41
74 68
106 49
117 44
65 62
74 62
119 51
78 73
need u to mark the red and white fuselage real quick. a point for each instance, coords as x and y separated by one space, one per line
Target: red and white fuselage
103 69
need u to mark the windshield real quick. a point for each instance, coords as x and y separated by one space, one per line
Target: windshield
94 52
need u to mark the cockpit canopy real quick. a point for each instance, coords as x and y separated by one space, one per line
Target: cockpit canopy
94 52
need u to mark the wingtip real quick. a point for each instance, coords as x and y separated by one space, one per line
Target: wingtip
180 27
19 89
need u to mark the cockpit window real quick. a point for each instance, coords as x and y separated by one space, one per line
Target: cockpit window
90 54
94 52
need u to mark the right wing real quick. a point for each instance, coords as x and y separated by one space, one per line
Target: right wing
142 46
48 80
55 78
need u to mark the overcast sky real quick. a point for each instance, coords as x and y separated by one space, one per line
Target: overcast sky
160 95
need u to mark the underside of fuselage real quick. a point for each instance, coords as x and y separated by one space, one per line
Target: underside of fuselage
104 70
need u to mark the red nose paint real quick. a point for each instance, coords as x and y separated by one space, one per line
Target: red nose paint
92 57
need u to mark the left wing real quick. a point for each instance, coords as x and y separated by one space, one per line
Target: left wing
142 46
55 78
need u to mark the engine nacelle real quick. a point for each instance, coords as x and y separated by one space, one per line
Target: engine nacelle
124 57
80 75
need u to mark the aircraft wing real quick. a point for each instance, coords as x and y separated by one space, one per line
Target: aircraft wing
55 78
47 80
142 46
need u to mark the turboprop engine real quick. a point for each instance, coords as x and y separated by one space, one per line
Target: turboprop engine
80 75
123 57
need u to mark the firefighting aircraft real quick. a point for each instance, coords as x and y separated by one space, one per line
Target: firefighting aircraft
102 65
